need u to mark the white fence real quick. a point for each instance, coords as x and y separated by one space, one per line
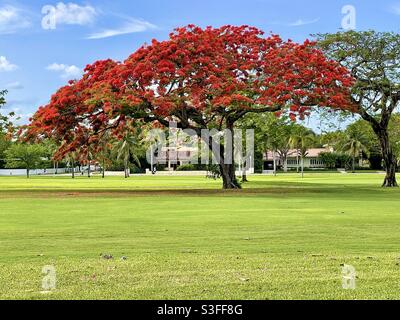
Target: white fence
36 172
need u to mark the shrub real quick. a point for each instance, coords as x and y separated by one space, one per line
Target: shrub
334 160
187 167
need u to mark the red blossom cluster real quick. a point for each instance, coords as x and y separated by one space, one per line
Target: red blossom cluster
199 78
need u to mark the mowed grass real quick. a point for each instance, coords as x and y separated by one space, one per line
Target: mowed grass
280 238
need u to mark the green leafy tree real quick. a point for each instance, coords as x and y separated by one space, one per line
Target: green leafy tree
394 132
369 139
284 131
51 148
354 146
329 159
126 151
374 61
25 156
331 139
271 133
4 145
2 97
5 120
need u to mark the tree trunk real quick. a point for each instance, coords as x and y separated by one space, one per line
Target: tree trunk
228 176
228 173
302 166
27 173
126 169
285 164
297 160
104 170
89 170
274 156
244 171
244 174
354 164
388 158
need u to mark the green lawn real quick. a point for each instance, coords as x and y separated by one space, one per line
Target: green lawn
279 238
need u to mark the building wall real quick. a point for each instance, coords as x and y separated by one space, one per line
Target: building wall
308 163
311 161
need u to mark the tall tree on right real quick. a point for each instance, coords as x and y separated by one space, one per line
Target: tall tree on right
374 61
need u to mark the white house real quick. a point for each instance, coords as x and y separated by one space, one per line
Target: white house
311 160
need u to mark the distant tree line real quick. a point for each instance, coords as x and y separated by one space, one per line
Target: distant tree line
357 144
127 154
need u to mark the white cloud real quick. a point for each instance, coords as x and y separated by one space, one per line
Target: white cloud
12 19
21 108
14 85
132 26
67 71
72 13
302 22
6 65
20 117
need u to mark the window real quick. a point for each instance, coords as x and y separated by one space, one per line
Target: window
316 162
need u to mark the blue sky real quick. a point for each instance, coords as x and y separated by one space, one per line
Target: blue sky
35 61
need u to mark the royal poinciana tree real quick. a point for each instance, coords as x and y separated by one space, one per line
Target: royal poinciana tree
374 61
200 79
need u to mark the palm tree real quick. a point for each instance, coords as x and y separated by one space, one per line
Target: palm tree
51 148
71 162
89 160
104 152
294 142
302 139
126 149
354 146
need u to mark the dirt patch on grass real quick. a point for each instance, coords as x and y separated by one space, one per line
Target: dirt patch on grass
151 193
